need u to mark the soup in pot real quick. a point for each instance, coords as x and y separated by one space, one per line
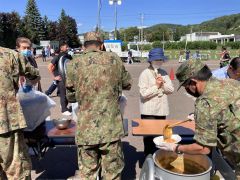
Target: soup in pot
190 167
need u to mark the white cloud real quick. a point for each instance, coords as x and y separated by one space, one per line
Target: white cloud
79 24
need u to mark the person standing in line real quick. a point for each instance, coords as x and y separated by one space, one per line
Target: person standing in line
95 79
48 51
23 45
188 55
225 57
130 58
52 52
15 162
180 59
54 67
43 55
154 86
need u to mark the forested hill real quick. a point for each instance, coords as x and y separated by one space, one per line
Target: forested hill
225 25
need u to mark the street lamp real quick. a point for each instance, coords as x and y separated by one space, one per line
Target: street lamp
115 2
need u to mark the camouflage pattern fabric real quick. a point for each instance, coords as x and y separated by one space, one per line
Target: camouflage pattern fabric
15 163
110 165
217 115
188 69
95 80
92 36
14 160
12 65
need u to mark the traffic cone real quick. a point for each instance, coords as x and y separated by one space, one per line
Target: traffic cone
172 76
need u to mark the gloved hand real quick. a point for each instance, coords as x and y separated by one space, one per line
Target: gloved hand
167 146
191 116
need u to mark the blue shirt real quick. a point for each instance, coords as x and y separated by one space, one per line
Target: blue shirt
221 73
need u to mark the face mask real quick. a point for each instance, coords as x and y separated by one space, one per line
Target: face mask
194 94
156 64
26 53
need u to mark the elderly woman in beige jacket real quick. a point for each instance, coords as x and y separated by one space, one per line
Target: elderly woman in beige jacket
155 85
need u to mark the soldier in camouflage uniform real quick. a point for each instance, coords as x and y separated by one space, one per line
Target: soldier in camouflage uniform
217 113
95 80
15 162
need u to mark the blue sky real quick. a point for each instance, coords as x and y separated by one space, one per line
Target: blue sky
155 11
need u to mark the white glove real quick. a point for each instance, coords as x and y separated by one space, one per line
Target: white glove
167 146
191 116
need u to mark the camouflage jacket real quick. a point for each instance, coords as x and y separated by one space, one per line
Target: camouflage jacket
95 80
12 65
217 114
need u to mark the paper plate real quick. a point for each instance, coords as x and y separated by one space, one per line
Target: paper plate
159 140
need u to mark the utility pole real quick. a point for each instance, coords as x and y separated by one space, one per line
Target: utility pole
163 41
139 34
115 29
98 16
191 34
142 19
115 3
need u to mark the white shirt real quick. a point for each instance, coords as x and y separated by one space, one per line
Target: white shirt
153 100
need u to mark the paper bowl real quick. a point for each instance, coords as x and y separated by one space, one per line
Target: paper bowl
159 140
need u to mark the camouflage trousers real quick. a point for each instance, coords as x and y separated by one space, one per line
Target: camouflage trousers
103 160
15 162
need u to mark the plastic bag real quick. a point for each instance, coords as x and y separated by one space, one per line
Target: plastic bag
74 111
35 105
122 103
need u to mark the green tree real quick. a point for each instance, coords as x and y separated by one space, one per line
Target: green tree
45 27
9 29
33 23
52 30
62 27
67 30
157 44
128 34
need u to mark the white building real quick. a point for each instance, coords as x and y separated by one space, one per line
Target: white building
52 44
224 38
199 36
81 38
210 36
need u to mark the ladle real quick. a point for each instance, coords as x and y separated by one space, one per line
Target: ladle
179 163
167 134
167 130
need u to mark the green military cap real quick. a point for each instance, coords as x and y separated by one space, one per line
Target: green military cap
92 36
187 70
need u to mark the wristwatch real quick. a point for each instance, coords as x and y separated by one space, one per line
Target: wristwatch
177 151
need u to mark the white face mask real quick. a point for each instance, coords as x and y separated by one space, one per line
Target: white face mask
156 64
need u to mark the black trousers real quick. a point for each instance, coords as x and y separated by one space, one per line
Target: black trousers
62 94
52 88
149 146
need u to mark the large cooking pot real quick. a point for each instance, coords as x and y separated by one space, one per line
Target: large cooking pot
197 167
